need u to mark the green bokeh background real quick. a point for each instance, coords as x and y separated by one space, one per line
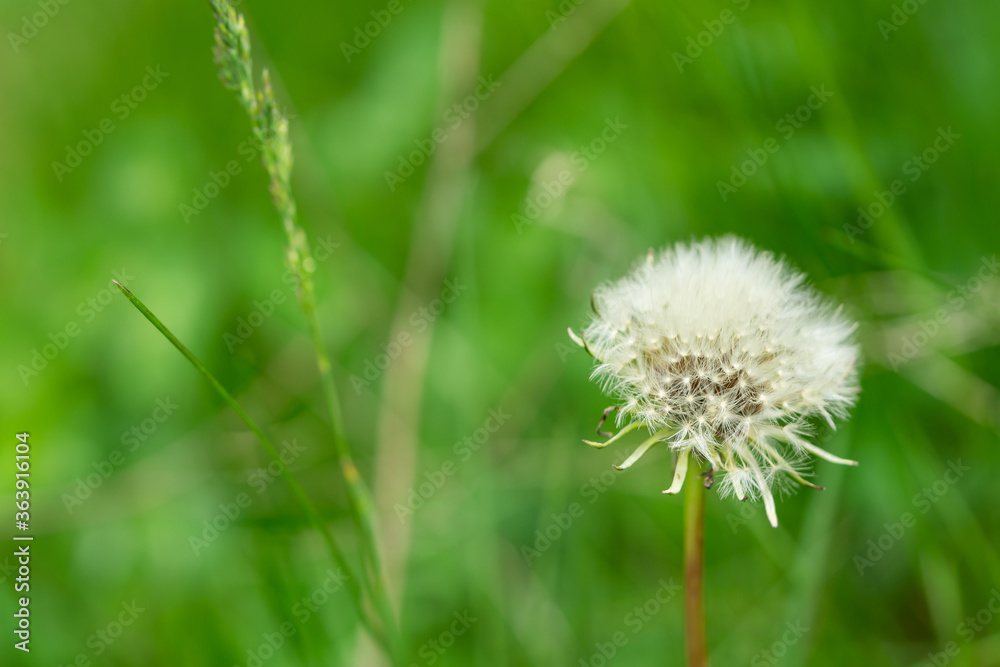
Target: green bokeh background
502 343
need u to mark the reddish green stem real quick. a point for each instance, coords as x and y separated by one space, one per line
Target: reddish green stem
694 549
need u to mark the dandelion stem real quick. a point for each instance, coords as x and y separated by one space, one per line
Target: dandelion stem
694 547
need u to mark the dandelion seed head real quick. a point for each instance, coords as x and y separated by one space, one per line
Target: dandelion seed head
732 351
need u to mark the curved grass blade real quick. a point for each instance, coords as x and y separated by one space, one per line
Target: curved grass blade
270 126
293 482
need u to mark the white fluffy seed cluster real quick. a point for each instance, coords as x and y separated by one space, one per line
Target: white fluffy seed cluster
725 352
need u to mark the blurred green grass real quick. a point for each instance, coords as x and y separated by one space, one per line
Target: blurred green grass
502 343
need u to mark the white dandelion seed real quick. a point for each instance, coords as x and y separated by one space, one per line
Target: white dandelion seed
726 353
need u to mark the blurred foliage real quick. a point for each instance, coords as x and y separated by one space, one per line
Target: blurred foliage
501 344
